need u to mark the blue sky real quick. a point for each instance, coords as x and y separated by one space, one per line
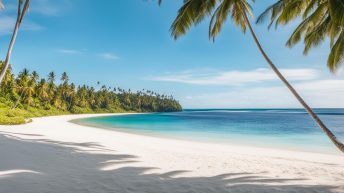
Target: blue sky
128 44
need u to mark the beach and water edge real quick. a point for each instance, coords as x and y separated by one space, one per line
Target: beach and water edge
72 157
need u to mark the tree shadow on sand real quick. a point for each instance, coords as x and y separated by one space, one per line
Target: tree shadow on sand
40 165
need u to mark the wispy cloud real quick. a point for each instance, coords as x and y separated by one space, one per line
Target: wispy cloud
43 7
236 77
108 56
31 26
69 51
321 93
7 24
323 86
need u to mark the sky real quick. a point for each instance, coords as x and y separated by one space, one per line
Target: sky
127 43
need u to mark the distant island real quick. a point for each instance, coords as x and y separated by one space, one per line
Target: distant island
27 95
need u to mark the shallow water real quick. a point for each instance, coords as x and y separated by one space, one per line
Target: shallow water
277 128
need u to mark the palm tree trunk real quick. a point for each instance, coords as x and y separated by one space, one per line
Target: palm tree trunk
332 137
17 102
13 39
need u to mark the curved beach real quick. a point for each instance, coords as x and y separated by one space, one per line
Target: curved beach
52 154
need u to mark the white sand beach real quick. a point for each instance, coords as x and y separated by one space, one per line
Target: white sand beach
54 155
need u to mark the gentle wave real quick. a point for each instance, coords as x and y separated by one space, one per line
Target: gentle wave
285 128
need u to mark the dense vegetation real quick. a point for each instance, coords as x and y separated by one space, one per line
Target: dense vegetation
26 95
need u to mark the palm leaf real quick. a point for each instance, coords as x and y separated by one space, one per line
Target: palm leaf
193 12
321 20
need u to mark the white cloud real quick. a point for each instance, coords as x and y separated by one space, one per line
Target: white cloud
241 98
42 7
109 56
334 87
7 25
259 88
31 26
69 51
321 93
237 77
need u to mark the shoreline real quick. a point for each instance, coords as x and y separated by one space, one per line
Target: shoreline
305 171
261 145
246 147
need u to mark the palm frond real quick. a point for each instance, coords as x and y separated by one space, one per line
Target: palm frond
218 18
274 10
320 20
306 24
193 12
336 57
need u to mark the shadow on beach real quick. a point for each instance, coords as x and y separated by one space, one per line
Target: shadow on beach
40 165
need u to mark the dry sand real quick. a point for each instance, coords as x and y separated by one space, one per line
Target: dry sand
56 156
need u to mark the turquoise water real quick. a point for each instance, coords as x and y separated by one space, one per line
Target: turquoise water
277 128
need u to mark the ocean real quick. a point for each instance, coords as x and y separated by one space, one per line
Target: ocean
289 129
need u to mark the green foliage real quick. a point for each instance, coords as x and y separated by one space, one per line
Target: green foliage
25 96
12 117
194 11
320 19
4 120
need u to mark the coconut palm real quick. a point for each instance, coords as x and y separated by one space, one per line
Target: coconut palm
23 76
34 76
8 84
25 87
321 19
29 91
64 77
51 87
70 96
25 90
51 77
42 90
22 8
64 88
193 12
82 96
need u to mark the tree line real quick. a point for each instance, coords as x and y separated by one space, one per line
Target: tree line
319 20
27 89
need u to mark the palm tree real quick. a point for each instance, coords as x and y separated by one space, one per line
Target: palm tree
8 84
34 76
51 77
24 76
70 96
22 8
51 87
29 91
64 77
25 87
82 96
194 11
320 19
44 95
42 90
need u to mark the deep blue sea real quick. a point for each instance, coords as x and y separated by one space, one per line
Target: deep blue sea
277 128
